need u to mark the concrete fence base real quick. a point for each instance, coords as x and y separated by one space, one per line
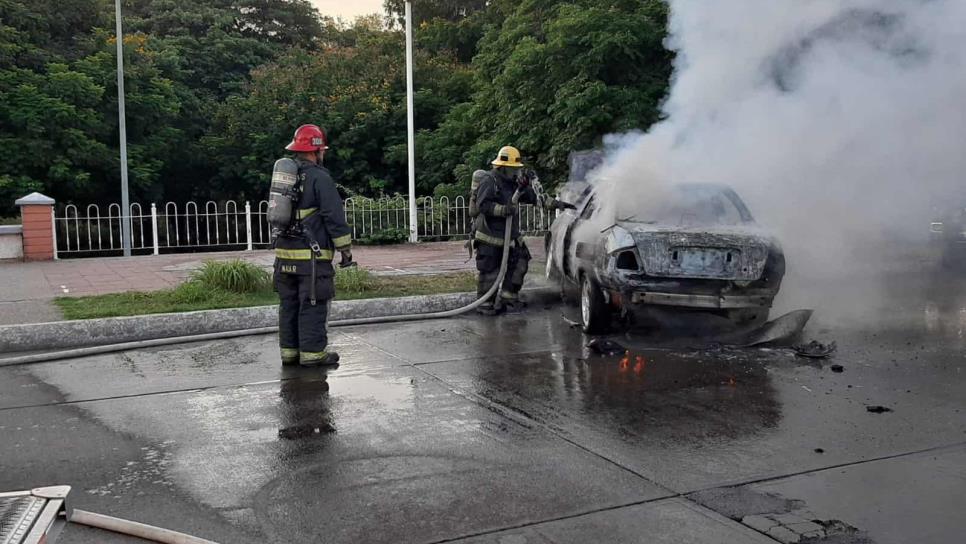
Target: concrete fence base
11 242
115 330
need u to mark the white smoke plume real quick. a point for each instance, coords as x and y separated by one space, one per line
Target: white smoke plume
842 123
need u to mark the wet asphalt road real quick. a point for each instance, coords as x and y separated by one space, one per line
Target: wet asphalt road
511 431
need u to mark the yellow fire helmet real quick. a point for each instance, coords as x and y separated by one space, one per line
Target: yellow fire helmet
508 156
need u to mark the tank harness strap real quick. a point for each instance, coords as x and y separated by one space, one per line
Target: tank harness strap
316 251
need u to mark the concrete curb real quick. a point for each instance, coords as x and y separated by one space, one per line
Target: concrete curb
115 330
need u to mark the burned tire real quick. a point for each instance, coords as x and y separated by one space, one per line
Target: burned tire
594 313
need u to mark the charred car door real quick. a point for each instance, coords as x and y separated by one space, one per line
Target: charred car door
579 253
557 242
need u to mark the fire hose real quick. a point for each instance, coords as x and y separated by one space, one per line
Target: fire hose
133 528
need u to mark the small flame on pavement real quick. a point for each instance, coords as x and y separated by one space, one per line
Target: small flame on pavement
626 361
641 362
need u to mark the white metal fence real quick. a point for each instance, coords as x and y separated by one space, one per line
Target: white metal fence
229 225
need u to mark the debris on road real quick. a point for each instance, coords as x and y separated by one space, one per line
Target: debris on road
785 328
606 347
788 521
816 350
838 368
877 409
570 322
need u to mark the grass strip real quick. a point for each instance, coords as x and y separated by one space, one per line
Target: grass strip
198 294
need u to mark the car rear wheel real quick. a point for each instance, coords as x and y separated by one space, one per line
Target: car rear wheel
594 313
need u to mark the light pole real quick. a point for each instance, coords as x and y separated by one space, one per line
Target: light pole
411 122
122 129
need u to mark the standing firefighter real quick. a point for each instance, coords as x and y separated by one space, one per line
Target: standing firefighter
309 225
492 205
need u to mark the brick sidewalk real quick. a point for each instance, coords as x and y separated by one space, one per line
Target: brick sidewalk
42 281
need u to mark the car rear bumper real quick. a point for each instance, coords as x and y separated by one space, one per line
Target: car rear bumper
717 302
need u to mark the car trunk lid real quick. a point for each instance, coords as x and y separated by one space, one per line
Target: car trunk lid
723 255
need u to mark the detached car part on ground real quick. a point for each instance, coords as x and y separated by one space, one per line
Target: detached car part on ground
695 248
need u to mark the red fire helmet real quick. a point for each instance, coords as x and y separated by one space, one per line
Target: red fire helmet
308 138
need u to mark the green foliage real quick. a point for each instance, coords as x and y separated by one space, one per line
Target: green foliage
58 94
353 280
187 297
556 77
385 237
192 296
428 10
215 88
235 276
191 292
357 93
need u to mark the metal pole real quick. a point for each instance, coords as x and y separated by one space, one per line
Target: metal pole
248 225
53 230
413 224
122 129
154 228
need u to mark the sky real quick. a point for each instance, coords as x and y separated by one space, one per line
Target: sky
348 9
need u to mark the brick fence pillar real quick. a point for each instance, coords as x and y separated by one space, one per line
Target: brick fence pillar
37 212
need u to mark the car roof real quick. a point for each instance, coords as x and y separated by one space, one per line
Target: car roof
720 188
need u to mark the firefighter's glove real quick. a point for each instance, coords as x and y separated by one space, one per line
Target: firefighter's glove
526 178
505 210
347 261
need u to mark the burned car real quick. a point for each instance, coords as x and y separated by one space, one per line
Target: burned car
698 248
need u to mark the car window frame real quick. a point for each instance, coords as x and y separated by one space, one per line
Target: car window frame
591 203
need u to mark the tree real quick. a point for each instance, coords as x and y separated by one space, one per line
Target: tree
49 112
427 10
216 87
357 93
556 77
183 58
209 50
287 22
455 26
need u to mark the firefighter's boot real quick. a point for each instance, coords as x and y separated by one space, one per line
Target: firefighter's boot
323 359
488 308
514 306
290 357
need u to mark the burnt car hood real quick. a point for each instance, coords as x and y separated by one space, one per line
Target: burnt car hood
725 253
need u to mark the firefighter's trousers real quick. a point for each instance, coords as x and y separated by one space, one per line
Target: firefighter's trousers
488 260
302 333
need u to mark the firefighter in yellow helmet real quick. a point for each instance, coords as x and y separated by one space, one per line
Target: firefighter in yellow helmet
492 205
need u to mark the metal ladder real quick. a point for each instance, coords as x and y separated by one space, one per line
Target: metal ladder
33 517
